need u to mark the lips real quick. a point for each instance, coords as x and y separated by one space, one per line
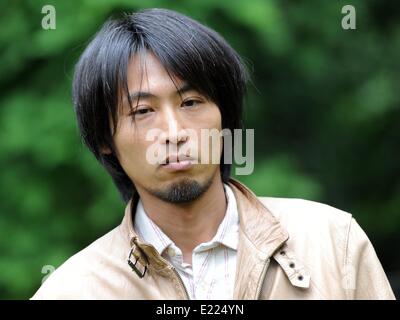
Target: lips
177 163
176 159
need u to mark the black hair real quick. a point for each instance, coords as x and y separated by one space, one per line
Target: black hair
186 48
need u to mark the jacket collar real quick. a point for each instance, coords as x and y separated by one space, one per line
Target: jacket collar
261 235
257 224
261 238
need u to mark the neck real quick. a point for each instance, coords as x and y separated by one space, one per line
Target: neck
189 224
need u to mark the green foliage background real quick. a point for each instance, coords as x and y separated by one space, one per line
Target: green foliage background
324 104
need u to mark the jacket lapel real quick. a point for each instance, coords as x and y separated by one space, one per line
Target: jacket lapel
260 235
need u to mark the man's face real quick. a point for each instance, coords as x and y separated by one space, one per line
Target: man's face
162 107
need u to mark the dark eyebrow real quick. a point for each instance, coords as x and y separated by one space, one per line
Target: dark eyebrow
147 95
141 95
184 88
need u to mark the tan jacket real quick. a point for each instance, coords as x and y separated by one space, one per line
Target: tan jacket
288 249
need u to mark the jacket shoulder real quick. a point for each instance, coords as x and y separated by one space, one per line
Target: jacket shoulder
315 229
74 278
305 213
329 241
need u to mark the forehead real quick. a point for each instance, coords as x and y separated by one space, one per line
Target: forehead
146 73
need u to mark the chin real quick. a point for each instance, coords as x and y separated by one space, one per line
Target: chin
182 190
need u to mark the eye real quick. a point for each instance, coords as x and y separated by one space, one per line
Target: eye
141 111
191 103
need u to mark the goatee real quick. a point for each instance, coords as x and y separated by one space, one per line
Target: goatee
183 191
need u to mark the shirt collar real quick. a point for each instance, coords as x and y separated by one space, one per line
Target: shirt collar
148 231
227 233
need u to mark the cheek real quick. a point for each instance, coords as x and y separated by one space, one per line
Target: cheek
218 119
213 118
218 125
130 146
210 151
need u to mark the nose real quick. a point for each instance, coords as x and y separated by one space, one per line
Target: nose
173 129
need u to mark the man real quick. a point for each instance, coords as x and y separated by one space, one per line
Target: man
189 231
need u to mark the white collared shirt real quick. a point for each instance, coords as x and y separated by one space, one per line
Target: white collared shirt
212 273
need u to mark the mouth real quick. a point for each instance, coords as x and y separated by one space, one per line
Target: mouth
177 163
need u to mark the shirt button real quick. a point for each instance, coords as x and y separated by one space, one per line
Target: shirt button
171 252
